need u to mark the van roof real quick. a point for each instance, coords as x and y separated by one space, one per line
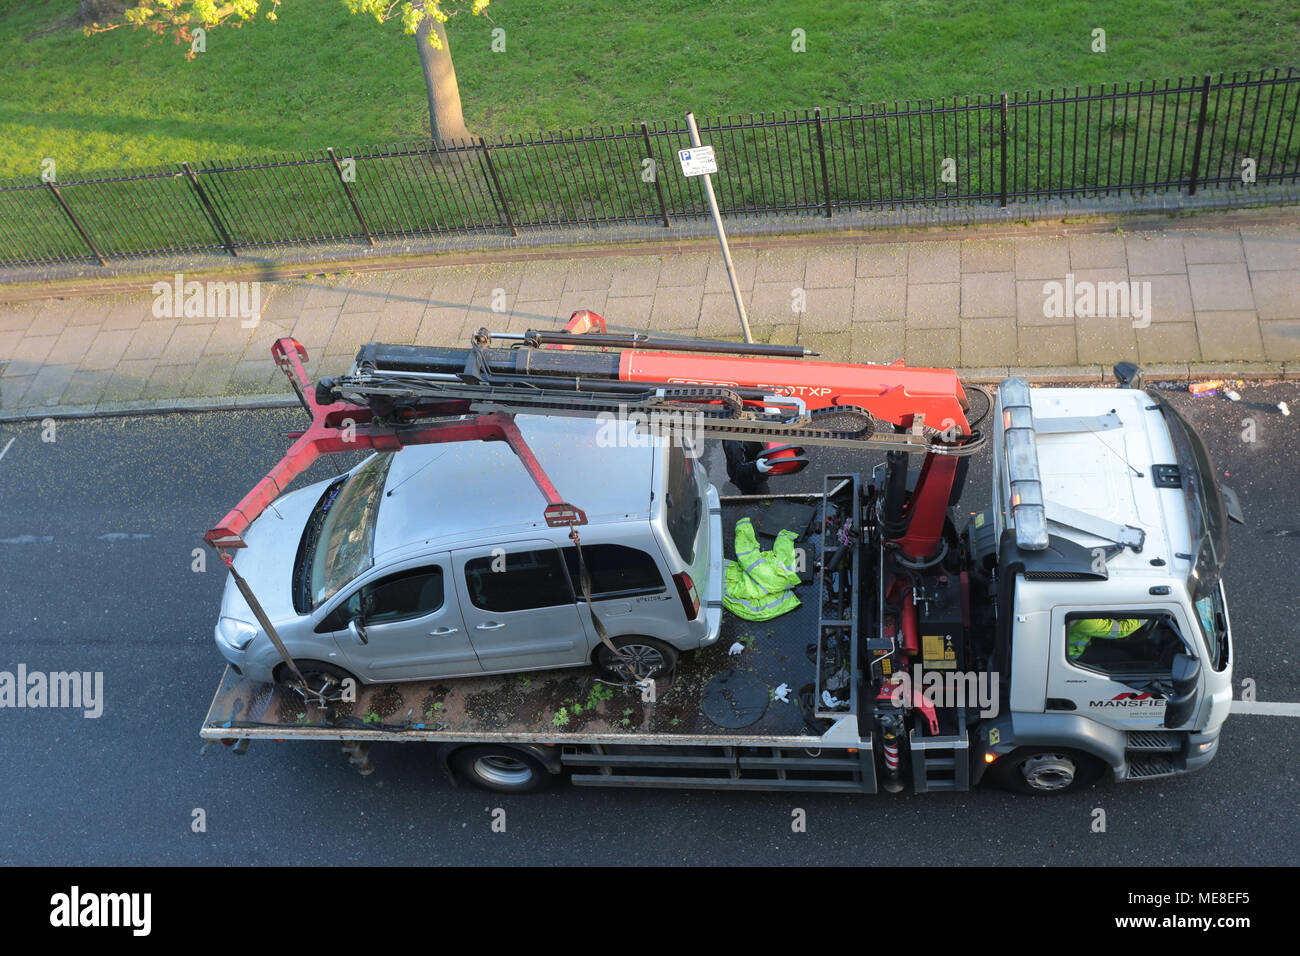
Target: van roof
461 493
1108 473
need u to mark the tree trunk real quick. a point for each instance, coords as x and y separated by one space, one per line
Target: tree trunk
446 122
102 11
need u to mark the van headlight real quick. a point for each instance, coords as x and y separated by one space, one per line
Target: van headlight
235 634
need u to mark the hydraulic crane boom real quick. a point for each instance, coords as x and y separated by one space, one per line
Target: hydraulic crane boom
398 395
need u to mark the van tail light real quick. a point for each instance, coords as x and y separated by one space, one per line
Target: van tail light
690 597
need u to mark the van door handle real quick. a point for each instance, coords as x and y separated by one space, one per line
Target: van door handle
443 631
489 626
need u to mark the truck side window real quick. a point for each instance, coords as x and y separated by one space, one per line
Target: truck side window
398 597
614 569
530 579
1121 643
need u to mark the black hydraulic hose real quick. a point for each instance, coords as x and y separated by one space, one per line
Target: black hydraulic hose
893 520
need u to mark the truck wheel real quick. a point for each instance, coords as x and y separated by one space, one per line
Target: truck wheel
1046 771
648 657
324 681
501 769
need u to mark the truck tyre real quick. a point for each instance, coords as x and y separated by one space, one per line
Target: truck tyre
500 769
1046 771
648 657
322 678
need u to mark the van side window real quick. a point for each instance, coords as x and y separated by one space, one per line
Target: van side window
1121 643
520 581
614 570
398 597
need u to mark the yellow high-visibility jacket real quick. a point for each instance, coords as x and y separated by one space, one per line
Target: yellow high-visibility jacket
759 582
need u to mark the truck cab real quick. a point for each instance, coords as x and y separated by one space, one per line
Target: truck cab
1110 535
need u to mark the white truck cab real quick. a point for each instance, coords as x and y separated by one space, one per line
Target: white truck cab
1110 534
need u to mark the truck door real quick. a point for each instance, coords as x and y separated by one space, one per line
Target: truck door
412 625
1115 665
518 606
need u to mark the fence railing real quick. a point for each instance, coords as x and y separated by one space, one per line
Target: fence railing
1177 135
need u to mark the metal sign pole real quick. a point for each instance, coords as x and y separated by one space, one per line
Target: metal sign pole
722 236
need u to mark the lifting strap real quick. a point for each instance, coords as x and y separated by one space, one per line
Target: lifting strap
262 619
584 582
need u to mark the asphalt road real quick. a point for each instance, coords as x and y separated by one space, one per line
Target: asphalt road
97 534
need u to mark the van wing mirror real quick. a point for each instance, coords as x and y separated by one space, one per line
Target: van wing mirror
1186 679
358 631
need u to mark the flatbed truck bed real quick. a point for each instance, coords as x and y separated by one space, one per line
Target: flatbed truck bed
717 723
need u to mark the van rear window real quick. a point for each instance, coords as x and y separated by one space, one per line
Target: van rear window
614 569
684 506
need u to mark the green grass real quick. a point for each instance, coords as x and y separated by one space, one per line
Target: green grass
125 99
285 91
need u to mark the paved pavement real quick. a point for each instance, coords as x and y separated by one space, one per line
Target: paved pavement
1216 296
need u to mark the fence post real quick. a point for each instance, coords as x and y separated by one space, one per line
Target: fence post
208 208
1200 132
75 222
821 148
1003 190
659 186
355 208
501 196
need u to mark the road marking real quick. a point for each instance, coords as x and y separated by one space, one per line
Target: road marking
28 539
1265 708
123 536
6 448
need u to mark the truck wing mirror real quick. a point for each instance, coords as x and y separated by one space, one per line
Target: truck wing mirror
1129 375
358 631
1182 702
1232 504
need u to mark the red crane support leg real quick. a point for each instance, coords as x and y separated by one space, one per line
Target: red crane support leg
928 508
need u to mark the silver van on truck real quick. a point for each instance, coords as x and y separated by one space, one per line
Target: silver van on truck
435 561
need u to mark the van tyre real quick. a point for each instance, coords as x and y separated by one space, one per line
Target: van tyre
324 681
1046 771
648 658
500 769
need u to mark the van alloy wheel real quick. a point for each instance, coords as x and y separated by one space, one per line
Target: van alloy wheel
644 659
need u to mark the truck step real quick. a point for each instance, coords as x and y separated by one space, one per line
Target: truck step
1154 741
1147 766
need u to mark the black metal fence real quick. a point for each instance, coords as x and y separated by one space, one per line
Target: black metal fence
1179 135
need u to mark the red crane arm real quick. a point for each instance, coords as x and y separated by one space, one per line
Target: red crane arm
892 393
342 426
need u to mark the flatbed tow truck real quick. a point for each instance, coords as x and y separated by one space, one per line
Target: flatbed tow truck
921 657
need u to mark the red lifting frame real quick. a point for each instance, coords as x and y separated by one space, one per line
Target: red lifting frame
345 427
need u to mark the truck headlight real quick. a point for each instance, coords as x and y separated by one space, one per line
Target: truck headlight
235 634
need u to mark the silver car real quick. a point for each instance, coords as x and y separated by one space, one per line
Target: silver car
435 562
